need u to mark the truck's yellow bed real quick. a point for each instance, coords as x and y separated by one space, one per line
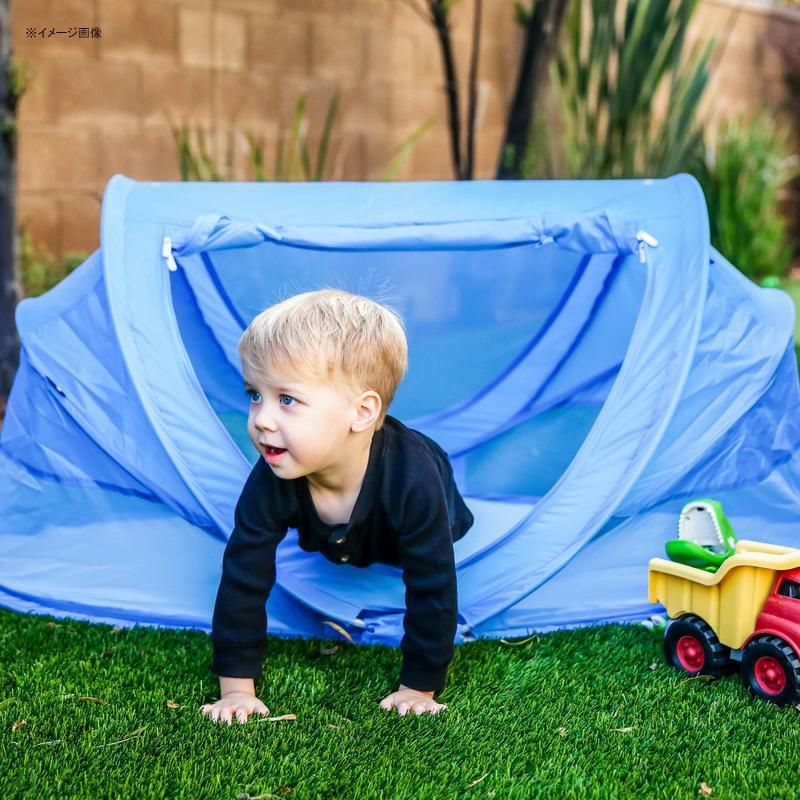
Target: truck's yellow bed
730 599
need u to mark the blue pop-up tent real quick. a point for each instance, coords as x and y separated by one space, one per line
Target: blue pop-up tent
584 355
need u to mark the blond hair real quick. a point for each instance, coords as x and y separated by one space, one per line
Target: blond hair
330 335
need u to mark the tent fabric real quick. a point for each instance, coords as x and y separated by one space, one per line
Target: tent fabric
586 358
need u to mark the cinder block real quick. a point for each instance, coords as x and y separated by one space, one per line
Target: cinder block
52 159
338 51
498 20
229 41
195 36
487 151
207 4
428 58
431 157
88 92
160 161
147 154
264 8
313 8
279 47
411 106
403 19
371 14
391 55
461 15
80 222
138 31
499 63
176 93
245 98
367 106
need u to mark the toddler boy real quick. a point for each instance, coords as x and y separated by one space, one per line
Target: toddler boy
321 369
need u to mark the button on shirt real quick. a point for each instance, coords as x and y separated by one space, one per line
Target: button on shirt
408 514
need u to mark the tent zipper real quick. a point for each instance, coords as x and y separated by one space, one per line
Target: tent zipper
645 238
166 252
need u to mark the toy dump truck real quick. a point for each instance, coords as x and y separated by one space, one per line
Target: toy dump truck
747 611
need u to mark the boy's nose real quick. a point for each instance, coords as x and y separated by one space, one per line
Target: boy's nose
264 421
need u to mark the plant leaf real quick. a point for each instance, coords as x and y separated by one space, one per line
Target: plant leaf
519 644
339 629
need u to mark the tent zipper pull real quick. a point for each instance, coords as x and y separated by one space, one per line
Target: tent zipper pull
645 238
166 252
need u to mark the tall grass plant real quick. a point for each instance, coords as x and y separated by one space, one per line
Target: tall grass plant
744 174
295 158
618 61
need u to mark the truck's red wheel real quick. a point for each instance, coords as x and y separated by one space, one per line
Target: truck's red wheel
771 669
689 652
690 645
769 675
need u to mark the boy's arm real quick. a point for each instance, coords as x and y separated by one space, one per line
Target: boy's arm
428 563
238 628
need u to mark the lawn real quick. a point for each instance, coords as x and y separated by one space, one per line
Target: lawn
90 711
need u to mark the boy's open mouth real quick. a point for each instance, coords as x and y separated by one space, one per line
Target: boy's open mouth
274 451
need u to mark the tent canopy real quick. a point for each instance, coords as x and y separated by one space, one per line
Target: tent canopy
586 358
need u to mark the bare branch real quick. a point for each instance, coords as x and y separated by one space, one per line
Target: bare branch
469 158
440 11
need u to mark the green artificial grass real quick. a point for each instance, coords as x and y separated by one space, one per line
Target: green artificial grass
593 713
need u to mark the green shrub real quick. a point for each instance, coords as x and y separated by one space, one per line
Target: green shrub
743 175
40 269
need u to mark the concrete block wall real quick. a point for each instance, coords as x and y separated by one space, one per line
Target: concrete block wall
98 106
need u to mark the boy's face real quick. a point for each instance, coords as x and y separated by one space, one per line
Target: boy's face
300 426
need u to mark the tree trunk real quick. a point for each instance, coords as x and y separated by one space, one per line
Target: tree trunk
9 342
541 37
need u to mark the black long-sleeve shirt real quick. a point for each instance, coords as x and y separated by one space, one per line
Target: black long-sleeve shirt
408 514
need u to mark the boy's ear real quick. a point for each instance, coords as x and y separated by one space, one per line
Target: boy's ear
367 410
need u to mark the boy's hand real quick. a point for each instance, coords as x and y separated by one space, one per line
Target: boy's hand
405 700
242 704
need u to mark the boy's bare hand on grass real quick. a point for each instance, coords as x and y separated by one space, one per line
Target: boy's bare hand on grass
240 704
406 699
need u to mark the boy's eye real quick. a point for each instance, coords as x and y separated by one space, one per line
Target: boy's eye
253 395
285 397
